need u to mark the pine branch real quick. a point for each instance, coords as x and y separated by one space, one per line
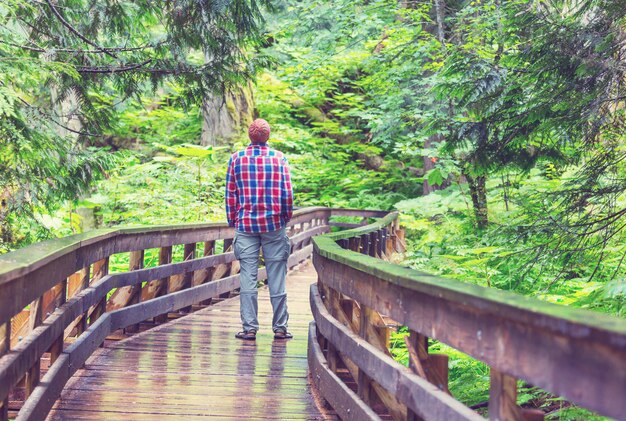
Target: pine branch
112 69
77 33
74 50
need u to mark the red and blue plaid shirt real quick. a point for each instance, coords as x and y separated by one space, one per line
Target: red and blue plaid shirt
259 196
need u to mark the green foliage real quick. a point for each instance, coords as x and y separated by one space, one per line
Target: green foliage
157 122
513 107
67 67
122 48
443 241
163 189
326 172
39 172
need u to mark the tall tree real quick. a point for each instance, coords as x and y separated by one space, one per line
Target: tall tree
580 102
85 57
438 13
124 47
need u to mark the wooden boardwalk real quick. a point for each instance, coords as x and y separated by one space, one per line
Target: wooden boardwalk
54 307
193 367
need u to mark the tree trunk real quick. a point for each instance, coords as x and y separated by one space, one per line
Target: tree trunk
478 191
67 113
439 30
225 117
440 13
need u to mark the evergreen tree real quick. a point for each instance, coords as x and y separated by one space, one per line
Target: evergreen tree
67 64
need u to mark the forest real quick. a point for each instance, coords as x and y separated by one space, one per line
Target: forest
497 129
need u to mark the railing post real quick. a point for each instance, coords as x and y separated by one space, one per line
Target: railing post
432 367
165 258
189 254
53 299
100 270
391 238
228 244
400 244
333 302
182 281
351 243
5 346
503 400
416 344
34 320
503 397
75 284
383 244
135 263
209 249
365 244
372 243
364 382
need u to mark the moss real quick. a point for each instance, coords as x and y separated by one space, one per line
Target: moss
314 114
231 107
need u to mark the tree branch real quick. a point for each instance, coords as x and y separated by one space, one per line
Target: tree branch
78 34
73 50
115 69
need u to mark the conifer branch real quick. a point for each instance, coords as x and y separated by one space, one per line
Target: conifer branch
77 33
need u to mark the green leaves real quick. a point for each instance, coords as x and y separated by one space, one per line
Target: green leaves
436 176
193 151
7 98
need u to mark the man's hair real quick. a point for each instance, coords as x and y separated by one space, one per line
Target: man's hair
259 131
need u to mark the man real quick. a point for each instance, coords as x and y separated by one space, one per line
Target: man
259 203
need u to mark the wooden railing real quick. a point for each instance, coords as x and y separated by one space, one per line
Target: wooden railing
58 301
577 354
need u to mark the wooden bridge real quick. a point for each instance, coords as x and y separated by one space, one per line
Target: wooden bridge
82 338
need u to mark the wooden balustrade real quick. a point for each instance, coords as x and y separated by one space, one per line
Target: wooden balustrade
50 312
54 312
573 353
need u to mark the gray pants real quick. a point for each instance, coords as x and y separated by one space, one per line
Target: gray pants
276 250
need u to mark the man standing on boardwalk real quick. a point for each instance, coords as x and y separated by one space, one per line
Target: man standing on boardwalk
259 203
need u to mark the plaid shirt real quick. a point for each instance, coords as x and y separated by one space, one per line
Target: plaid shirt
259 197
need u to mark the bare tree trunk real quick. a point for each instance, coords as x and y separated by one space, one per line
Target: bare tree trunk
216 121
66 111
440 13
224 117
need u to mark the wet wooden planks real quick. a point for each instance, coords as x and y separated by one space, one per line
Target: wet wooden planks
193 367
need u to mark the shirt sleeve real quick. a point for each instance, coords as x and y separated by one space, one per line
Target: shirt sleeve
231 194
286 198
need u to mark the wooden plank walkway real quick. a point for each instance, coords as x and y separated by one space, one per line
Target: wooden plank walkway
193 367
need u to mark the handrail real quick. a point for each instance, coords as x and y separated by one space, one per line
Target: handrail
573 353
53 277
24 273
